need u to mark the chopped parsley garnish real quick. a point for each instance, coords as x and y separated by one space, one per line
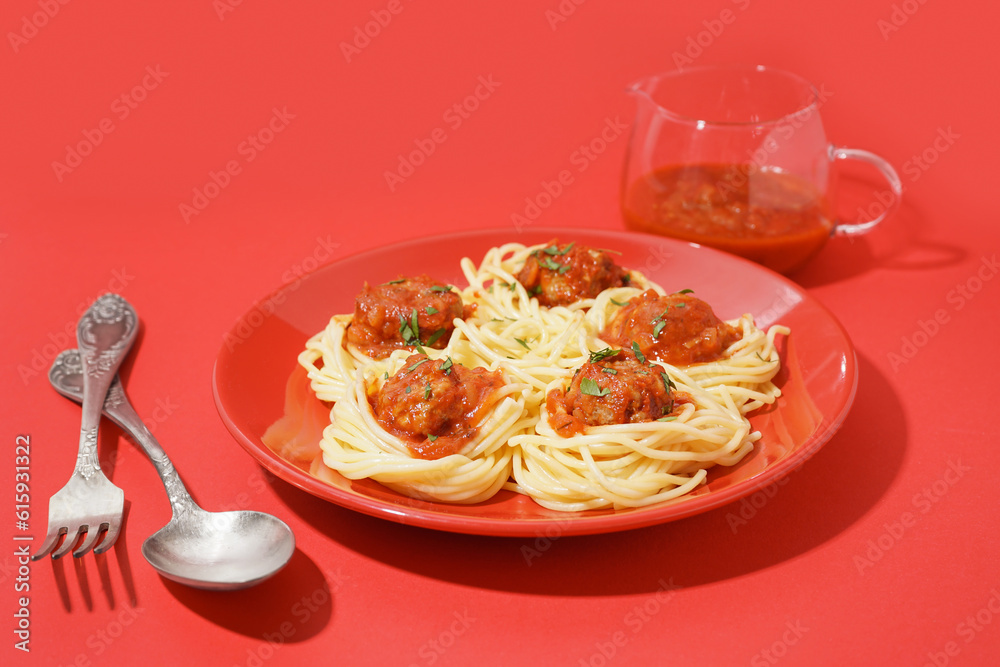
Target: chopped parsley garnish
410 330
432 438
431 310
638 353
684 291
425 360
601 355
523 344
609 371
441 288
619 303
446 366
396 282
591 388
660 323
667 382
427 391
435 336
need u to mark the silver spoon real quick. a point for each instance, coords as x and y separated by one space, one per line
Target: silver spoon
210 550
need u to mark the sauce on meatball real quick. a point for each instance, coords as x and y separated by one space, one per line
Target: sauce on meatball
407 313
435 406
560 275
614 387
677 329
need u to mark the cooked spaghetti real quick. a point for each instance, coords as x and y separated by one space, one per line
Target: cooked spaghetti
554 373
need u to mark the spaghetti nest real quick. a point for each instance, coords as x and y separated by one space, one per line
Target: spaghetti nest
575 417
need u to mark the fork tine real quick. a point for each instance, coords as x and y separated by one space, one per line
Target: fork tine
110 537
89 540
51 540
67 545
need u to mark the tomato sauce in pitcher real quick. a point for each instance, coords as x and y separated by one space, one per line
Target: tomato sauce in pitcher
772 217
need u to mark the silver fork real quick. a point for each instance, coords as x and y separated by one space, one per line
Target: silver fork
90 505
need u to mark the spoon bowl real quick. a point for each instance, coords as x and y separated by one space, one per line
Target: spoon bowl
220 550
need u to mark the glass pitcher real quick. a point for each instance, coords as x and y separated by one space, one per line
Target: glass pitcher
736 158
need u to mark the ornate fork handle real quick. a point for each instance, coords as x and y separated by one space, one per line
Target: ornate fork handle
104 335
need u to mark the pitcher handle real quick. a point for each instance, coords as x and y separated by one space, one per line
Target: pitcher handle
890 175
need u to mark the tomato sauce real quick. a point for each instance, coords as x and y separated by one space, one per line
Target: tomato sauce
434 406
772 217
402 314
678 329
561 275
617 389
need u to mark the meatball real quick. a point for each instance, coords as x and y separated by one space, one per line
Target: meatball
434 405
614 387
559 276
404 313
677 329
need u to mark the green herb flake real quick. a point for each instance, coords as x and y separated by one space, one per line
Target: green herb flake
619 303
431 310
432 438
601 355
523 344
667 419
667 382
441 288
591 388
659 327
435 336
446 366
422 361
609 371
638 353
396 282
684 291
427 391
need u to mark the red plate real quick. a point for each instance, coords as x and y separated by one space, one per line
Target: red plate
257 380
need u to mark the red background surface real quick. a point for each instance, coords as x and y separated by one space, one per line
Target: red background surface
874 553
